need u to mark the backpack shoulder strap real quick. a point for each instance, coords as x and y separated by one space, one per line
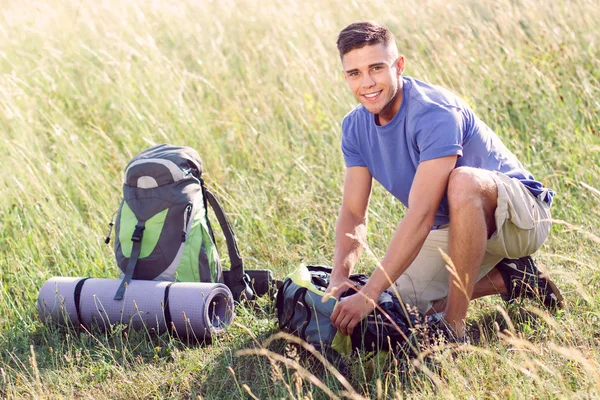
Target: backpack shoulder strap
237 281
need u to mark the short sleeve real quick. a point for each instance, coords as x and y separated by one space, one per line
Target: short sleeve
350 145
440 134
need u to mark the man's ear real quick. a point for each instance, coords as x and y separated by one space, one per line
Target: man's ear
400 65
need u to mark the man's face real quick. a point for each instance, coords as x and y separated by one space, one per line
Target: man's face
373 75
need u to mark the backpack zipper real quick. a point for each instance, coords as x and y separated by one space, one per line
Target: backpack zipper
186 219
110 227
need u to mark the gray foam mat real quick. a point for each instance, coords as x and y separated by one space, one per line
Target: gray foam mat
196 311
141 307
200 310
56 301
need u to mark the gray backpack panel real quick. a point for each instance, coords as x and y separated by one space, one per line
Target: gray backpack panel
184 158
304 313
145 203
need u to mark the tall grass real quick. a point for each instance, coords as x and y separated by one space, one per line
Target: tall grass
255 87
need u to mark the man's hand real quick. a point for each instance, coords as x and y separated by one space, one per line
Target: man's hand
337 287
350 311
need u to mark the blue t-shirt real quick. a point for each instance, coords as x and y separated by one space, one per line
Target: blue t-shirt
432 122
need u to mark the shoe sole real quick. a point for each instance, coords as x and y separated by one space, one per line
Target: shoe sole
560 301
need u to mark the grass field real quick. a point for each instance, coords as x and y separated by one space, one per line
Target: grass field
255 87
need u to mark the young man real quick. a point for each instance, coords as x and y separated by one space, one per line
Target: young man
465 194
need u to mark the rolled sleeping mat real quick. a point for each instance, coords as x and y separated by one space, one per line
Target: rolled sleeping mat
200 319
58 300
142 304
196 311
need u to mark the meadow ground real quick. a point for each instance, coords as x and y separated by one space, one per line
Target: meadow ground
255 87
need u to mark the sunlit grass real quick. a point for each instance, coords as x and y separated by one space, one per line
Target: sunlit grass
255 87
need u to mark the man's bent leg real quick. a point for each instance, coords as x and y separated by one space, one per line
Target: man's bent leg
492 283
472 197
425 283
523 223
426 279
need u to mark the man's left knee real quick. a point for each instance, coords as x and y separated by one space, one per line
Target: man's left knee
468 185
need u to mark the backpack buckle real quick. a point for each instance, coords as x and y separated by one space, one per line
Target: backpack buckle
137 234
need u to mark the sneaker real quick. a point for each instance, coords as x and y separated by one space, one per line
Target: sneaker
523 279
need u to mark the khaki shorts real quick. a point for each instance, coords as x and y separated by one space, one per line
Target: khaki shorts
522 225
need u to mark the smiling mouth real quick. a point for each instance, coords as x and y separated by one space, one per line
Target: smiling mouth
372 96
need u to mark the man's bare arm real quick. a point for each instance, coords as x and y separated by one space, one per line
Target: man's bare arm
426 193
429 186
351 226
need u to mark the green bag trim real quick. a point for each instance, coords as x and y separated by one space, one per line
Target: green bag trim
301 277
342 344
151 235
211 249
187 271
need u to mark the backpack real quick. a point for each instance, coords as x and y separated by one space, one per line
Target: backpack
302 312
162 228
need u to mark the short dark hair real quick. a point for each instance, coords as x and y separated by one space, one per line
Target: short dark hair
361 34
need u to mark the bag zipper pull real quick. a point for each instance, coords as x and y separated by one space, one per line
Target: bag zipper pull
186 218
110 227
